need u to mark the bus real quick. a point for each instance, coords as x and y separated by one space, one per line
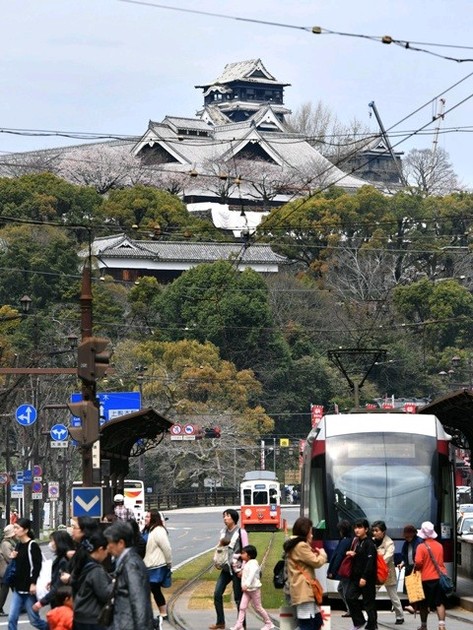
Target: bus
134 498
395 467
260 494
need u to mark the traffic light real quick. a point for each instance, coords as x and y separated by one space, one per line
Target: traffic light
92 359
213 432
88 414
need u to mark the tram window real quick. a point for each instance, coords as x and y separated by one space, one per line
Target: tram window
316 499
260 497
273 496
247 496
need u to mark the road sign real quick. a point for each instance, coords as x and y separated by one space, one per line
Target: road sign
112 405
27 476
26 415
87 502
37 471
189 429
176 429
16 491
4 478
53 490
19 476
59 432
59 444
37 490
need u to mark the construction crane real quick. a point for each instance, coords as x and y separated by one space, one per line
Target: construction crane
388 144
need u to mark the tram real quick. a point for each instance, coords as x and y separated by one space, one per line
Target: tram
260 493
395 467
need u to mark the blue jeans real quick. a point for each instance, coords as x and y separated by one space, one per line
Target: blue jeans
18 601
223 581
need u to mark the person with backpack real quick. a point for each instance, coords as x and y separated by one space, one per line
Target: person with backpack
121 512
385 548
234 538
361 589
28 559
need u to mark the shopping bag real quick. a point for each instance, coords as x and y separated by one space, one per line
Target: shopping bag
415 592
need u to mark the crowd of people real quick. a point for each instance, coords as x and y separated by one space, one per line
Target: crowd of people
360 541
94 563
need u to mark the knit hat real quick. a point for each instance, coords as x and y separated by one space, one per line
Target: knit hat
427 530
9 531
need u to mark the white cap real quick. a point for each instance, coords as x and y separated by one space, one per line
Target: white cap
118 498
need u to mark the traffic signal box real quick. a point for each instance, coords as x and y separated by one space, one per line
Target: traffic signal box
88 414
93 359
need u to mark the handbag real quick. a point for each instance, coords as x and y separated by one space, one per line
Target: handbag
105 617
344 570
445 581
10 573
167 578
415 591
220 558
317 590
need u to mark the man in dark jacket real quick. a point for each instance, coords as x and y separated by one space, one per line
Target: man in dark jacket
363 578
132 609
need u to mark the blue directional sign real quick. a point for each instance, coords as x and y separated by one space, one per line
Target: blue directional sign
27 476
87 502
26 415
59 432
112 405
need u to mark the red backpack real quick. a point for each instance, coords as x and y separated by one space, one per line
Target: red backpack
382 570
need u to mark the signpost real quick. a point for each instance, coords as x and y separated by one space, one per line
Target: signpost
87 502
112 405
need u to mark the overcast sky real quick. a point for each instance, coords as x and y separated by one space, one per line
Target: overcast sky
106 66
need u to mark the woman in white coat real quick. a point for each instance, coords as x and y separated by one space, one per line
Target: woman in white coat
385 547
158 557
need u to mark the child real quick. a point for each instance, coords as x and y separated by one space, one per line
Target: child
60 617
251 588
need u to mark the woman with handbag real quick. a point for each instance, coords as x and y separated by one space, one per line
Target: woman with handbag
346 537
60 543
302 559
28 559
158 559
425 562
91 584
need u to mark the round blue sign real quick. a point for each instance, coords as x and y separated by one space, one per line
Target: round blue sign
26 415
59 432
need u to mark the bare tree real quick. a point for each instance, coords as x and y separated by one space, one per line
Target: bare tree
18 164
430 173
324 131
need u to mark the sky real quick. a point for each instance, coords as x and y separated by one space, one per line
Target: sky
109 66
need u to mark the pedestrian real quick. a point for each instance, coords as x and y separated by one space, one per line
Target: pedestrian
158 558
132 608
235 539
346 537
14 516
91 584
362 581
251 589
82 529
408 553
28 559
6 547
121 512
60 543
385 548
434 596
61 616
302 559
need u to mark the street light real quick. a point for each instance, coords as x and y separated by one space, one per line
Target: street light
25 302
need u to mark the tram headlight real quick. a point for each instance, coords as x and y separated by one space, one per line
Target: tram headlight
248 512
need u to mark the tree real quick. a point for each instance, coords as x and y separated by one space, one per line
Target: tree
429 172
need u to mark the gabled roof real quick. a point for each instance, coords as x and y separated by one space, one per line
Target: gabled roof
252 71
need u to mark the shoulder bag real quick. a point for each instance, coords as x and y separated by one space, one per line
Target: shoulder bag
10 573
105 617
344 570
445 581
317 589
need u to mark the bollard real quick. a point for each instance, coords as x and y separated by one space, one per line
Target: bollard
326 616
287 619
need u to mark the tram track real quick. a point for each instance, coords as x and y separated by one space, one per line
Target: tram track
175 618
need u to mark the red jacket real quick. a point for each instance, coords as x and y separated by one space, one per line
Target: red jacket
60 618
424 561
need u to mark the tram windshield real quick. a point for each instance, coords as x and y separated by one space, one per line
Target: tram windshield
378 476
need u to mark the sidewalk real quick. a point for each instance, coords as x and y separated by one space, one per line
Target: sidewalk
458 618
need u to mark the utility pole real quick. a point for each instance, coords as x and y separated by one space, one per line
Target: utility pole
372 355
92 363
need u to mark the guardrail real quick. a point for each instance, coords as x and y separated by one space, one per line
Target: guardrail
204 498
